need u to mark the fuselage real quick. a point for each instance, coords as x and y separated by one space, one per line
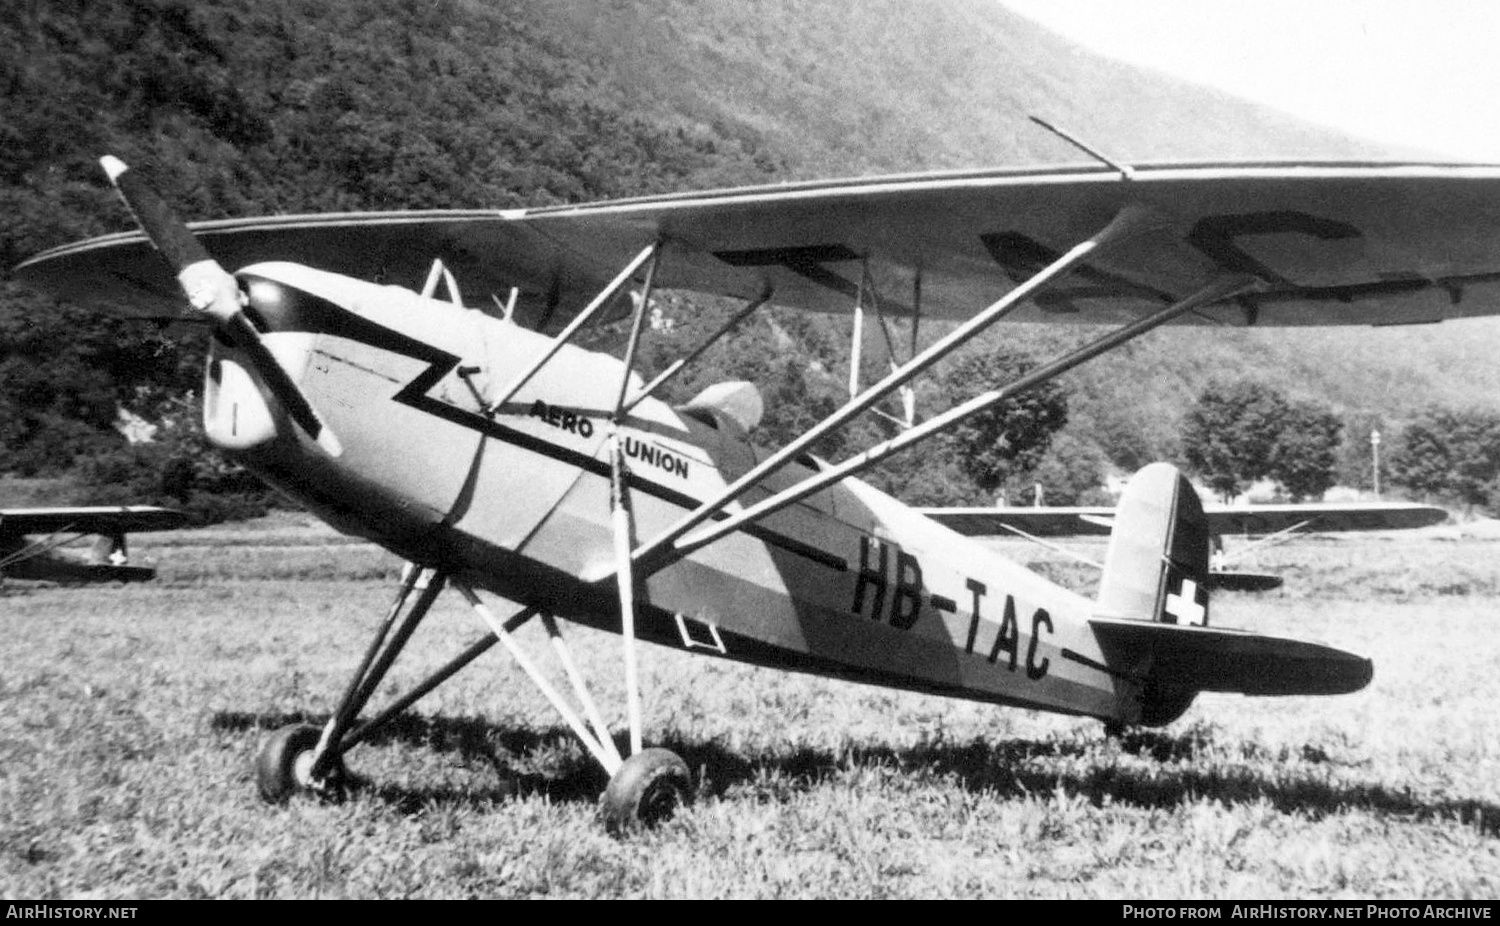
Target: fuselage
516 500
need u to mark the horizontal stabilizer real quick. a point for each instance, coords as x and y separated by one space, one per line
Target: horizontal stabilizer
73 572
1225 581
1215 659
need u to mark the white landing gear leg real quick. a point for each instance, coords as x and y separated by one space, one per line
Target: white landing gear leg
644 789
651 784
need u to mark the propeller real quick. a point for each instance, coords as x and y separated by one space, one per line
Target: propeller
213 292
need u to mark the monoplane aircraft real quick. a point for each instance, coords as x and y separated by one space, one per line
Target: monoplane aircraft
1270 524
26 555
359 367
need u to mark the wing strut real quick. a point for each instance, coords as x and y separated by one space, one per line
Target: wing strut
1128 223
677 365
1269 540
907 394
440 272
857 336
600 301
1055 548
58 538
857 342
1211 293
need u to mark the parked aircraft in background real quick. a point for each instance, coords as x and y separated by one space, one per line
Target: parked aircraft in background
31 540
1272 524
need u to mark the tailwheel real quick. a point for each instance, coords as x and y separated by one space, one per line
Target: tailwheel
284 766
647 789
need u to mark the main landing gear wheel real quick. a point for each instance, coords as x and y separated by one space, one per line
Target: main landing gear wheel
284 766
647 789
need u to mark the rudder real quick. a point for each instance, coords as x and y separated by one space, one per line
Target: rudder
1157 563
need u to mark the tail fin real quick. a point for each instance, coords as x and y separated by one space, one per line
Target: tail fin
109 550
1157 564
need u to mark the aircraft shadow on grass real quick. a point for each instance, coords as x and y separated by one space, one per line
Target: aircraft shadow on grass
998 768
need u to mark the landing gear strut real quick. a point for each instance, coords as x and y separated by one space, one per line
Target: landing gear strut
643 790
304 758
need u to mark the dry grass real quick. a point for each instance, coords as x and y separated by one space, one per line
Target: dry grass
128 719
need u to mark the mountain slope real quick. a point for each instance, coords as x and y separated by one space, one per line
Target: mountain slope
242 107
863 86
841 87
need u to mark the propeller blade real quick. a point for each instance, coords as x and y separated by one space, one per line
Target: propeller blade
213 291
209 287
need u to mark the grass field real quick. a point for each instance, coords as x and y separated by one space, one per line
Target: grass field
129 718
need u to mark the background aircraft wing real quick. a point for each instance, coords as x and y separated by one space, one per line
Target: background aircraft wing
1325 244
1085 521
89 520
31 559
1216 659
1039 522
1326 517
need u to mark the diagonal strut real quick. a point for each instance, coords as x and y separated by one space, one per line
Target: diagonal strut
1211 293
1128 223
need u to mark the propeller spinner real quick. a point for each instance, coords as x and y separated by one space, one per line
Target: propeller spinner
213 292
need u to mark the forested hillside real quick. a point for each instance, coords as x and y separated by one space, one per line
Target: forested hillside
245 107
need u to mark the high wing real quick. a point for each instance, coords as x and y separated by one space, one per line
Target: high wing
88 520
1080 521
1322 244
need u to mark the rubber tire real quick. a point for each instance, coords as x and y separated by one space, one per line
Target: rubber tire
646 790
282 766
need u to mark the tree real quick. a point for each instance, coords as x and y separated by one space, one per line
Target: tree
1008 438
1450 453
1230 434
178 468
1071 472
1305 458
259 108
64 375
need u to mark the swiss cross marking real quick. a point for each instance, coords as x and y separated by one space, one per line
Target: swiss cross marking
1185 606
